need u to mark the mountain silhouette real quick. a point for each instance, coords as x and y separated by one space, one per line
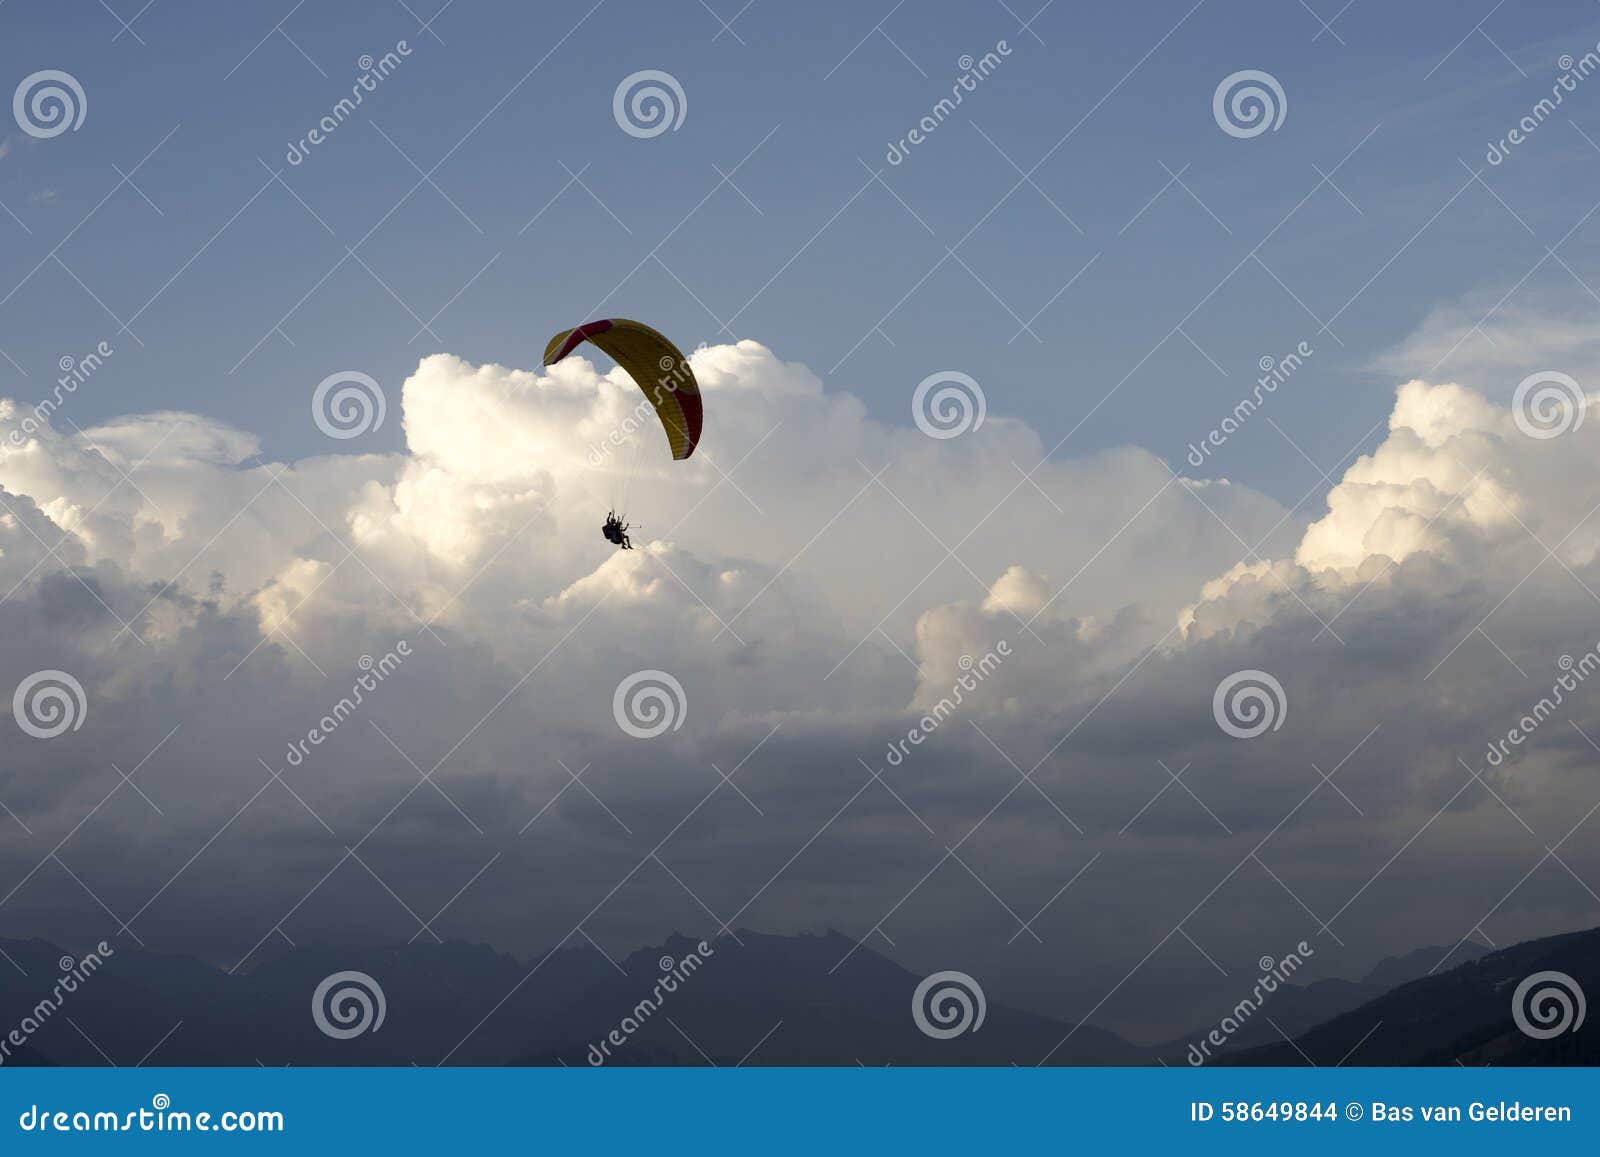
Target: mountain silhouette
182 1011
751 999
1297 1008
1463 1015
801 1000
467 1004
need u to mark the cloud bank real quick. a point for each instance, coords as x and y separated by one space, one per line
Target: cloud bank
1072 820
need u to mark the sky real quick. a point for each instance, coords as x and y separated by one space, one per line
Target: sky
1291 403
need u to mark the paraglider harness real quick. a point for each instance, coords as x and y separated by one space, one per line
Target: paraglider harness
616 531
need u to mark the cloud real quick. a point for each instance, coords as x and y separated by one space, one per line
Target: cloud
820 584
1489 343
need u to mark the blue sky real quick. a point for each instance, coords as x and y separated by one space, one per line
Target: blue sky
802 245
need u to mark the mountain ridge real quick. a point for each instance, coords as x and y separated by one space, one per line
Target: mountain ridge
1467 1015
744 998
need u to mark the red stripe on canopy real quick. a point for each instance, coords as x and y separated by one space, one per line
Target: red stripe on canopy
580 335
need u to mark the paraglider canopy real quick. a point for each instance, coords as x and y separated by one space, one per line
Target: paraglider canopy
657 367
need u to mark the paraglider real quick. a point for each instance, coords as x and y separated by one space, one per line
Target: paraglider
659 369
616 531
